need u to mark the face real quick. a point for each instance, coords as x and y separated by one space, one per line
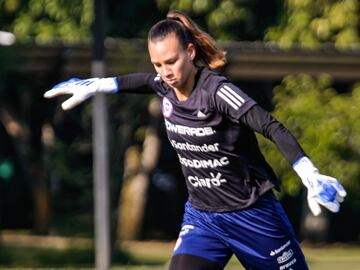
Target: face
172 61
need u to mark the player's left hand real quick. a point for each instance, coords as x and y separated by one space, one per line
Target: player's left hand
81 89
322 190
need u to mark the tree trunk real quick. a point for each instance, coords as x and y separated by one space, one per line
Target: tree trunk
138 165
41 199
33 167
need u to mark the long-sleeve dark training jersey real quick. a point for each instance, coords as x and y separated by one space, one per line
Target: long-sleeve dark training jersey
213 135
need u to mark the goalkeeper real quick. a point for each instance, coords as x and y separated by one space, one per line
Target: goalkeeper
211 124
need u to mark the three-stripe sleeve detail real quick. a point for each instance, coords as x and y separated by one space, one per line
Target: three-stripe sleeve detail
230 97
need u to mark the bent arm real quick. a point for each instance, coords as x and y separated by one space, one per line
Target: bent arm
264 123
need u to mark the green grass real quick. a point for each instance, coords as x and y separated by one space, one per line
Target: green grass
155 256
31 257
330 257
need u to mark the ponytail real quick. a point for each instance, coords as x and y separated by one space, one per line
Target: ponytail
207 53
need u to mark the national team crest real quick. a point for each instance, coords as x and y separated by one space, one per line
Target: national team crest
167 107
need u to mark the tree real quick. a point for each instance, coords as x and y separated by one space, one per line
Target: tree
327 125
39 21
309 104
22 116
309 23
228 19
45 21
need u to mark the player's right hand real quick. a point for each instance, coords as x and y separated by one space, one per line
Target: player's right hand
81 89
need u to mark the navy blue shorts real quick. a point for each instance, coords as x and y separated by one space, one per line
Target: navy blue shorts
261 237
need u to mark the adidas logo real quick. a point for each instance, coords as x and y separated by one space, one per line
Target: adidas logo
200 114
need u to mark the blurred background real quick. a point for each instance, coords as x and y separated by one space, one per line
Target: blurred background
299 59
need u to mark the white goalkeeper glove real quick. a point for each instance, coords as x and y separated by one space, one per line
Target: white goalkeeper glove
82 89
322 190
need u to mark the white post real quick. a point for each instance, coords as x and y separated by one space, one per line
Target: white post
100 149
101 180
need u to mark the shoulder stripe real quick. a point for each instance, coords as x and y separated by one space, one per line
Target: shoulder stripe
236 95
231 97
220 94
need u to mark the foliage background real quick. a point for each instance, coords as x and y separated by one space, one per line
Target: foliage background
323 114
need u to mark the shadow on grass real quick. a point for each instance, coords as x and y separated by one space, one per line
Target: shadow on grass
42 257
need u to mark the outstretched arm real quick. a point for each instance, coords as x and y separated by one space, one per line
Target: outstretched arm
322 190
84 89
81 90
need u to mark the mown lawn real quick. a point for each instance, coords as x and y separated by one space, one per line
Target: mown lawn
330 257
154 256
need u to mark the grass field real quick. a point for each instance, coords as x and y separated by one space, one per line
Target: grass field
331 257
150 255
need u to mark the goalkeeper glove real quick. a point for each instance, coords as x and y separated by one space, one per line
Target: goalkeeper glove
82 89
322 190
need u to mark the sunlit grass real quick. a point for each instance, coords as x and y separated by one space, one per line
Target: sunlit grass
155 256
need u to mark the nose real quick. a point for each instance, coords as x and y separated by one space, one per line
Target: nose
166 71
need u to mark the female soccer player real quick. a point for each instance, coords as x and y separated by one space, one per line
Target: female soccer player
211 124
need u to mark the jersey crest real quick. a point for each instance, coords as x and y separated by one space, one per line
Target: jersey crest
167 107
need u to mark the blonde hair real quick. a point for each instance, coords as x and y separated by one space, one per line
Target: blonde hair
207 53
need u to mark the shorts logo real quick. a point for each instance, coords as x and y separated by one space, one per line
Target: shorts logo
277 251
288 265
285 256
167 107
184 230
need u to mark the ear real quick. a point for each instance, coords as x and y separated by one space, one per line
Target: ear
191 51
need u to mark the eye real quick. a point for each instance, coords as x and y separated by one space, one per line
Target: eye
172 61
